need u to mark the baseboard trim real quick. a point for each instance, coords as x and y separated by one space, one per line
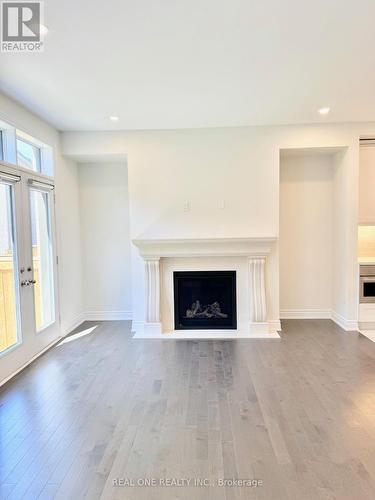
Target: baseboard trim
305 314
346 324
107 315
274 326
137 326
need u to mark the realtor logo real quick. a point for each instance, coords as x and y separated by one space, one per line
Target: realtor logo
21 26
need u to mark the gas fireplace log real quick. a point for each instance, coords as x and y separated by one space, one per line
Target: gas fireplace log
206 312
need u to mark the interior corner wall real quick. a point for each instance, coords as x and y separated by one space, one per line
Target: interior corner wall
306 235
345 225
104 211
69 245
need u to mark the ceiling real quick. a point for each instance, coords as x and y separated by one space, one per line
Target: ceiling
198 63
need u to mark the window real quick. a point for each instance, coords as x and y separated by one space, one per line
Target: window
28 154
21 149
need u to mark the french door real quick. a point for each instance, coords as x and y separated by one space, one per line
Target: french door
28 271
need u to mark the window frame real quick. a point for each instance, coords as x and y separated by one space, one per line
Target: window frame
1 146
10 134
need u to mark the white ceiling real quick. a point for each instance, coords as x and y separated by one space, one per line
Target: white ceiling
198 63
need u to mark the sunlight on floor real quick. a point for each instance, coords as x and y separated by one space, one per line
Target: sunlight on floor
78 335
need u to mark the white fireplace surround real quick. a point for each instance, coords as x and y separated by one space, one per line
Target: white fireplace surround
248 256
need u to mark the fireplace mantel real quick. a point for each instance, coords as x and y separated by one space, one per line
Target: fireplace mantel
211 247
254 249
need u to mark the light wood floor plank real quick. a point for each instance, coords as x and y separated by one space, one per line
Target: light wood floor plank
296 413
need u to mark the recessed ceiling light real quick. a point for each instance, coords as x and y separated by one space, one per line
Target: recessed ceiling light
43 30
324 111
114 118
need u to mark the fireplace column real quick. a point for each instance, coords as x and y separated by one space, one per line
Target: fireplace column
258 307
152 303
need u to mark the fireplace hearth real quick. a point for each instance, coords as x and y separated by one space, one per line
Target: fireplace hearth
205 300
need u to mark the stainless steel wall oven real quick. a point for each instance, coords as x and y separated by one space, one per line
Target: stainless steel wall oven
367 284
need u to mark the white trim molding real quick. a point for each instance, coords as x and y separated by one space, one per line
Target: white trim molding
370 334
305 314
346 324
258 307
349 325
213 247
107 315
152 299
274 325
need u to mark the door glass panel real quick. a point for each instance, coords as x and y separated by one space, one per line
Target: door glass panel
9 292
42 248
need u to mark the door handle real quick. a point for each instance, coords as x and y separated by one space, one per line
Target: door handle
28 282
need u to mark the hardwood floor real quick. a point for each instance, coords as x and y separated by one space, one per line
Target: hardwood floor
296 413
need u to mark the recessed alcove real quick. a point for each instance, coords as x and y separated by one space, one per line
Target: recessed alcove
316 216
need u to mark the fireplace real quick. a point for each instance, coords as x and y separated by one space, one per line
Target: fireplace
205 300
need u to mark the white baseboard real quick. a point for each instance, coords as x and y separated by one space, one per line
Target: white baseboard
274 326
138 326
370 334
346 324
107 315
305 314
258 328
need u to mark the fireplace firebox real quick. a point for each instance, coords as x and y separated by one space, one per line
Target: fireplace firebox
205 300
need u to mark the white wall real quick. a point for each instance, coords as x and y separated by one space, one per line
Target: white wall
205 167
68 242
306 235
366 242
104 210
345 236
366 185
366 215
